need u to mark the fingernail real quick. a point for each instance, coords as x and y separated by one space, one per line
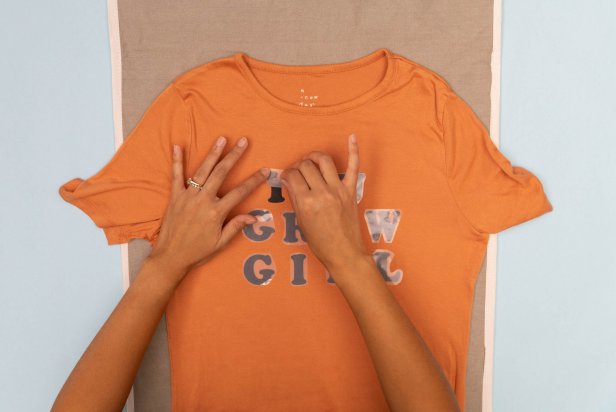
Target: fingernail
353 138
242 142
176 150
221 140
250 220
265 171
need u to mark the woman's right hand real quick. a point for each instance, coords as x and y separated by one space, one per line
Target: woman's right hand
326 207
192 229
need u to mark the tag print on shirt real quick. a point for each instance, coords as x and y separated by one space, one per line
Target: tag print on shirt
259 269
307 100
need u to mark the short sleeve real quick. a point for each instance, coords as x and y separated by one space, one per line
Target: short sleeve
128 197
492 194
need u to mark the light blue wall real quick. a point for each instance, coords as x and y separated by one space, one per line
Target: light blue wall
59 279
555 346
555 326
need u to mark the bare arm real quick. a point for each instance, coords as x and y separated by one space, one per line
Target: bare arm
191 232
102 378
327 213
410 376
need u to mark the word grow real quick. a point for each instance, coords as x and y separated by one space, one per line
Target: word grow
259 268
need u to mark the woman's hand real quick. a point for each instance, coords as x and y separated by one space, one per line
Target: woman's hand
326 207
326 211
192 229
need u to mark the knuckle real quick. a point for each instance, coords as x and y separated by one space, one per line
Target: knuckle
242 190
196 202
253 181
343 192
209 159
219 171
257 177
213 213
308 202
305 163
328 198
320 156
210 156
286 172
237 151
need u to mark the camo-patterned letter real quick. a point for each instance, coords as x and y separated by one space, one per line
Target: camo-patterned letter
383 221
383 259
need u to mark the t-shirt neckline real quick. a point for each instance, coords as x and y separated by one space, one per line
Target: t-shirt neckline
246 63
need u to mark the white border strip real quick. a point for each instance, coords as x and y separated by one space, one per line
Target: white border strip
490 298
116 90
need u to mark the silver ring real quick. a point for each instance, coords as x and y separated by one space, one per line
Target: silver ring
191 182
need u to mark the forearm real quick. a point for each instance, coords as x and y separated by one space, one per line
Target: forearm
410 377
102 378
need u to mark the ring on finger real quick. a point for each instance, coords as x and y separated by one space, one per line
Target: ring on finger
194 184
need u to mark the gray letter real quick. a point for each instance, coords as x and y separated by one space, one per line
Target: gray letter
297 269
290 229
265 222
266 273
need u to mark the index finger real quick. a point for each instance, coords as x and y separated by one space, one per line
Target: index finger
350 176
239 193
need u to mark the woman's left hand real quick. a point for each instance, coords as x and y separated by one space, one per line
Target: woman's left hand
194 227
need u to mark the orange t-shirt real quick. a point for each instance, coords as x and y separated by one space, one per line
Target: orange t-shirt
261 327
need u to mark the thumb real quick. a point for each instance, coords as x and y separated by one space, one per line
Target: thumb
233 227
